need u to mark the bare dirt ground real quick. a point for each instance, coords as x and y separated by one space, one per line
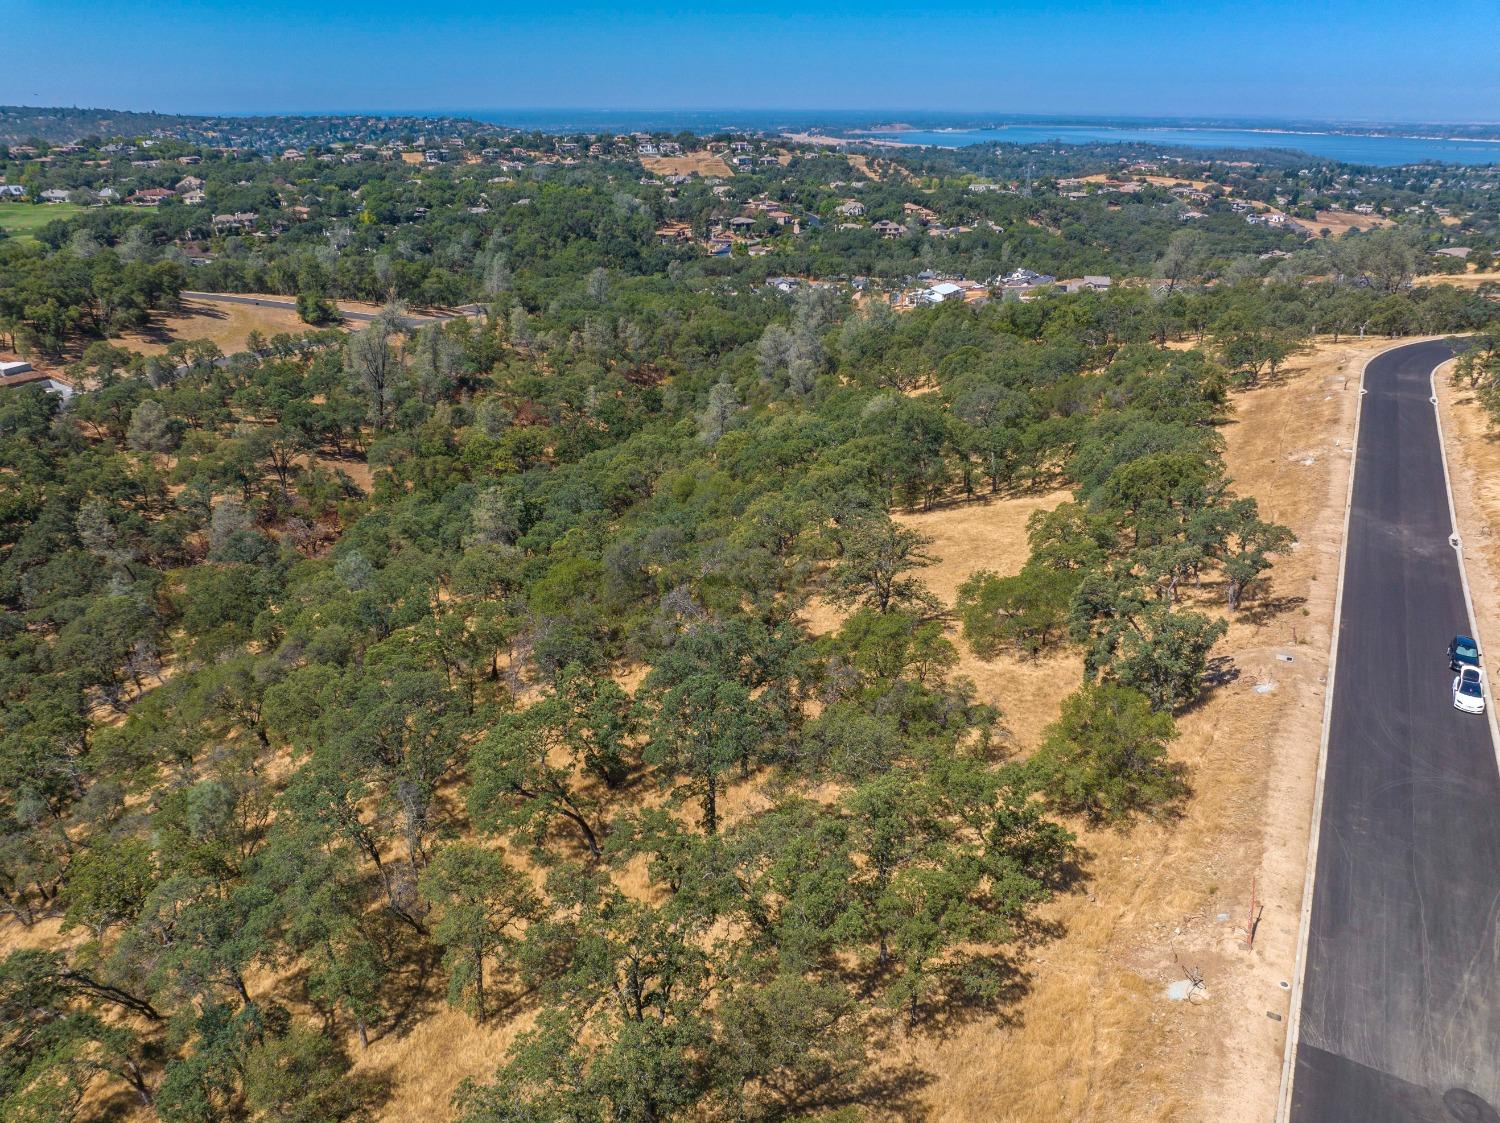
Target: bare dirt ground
703 163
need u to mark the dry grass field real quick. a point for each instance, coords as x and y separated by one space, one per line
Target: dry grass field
1156 180
226 325
876 168
1339 223
1468 280
702 163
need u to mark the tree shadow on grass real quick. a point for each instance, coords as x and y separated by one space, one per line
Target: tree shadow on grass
877 1092
1220 672
1265 609
412 992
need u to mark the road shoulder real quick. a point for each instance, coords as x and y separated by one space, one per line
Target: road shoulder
1472 450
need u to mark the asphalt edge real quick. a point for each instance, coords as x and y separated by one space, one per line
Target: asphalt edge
1457 540
1299 970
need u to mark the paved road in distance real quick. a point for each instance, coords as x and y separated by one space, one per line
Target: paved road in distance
1401 993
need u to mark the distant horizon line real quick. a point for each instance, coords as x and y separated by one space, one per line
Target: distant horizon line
885 115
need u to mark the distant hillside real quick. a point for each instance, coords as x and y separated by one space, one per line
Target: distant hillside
19 124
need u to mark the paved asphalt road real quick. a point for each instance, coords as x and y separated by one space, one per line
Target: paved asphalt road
1401 995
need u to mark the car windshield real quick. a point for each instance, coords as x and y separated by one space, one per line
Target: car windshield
1466 649
1469 684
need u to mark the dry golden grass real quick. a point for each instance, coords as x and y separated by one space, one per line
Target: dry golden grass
1469 280
226 325
991 534
876 168
703 163
1339 223
1156 180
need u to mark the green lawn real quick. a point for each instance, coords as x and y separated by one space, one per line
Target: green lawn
24 219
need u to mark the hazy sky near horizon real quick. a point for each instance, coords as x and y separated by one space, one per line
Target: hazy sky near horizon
1374 59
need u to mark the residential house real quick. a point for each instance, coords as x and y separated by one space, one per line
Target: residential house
887 229
55 195
13 374
1025 280
1085 284
189 183
149 196
240 220
850 208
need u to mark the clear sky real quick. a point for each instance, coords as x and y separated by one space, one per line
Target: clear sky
1373 59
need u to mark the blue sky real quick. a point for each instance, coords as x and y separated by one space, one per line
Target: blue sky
1376 59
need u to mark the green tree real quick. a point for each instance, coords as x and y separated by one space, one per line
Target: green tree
1106 755
1025 611
316 309
873 568
482 904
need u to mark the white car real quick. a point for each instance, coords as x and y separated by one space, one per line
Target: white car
1468 691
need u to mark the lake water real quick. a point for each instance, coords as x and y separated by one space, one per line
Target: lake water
1382 151
956 131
